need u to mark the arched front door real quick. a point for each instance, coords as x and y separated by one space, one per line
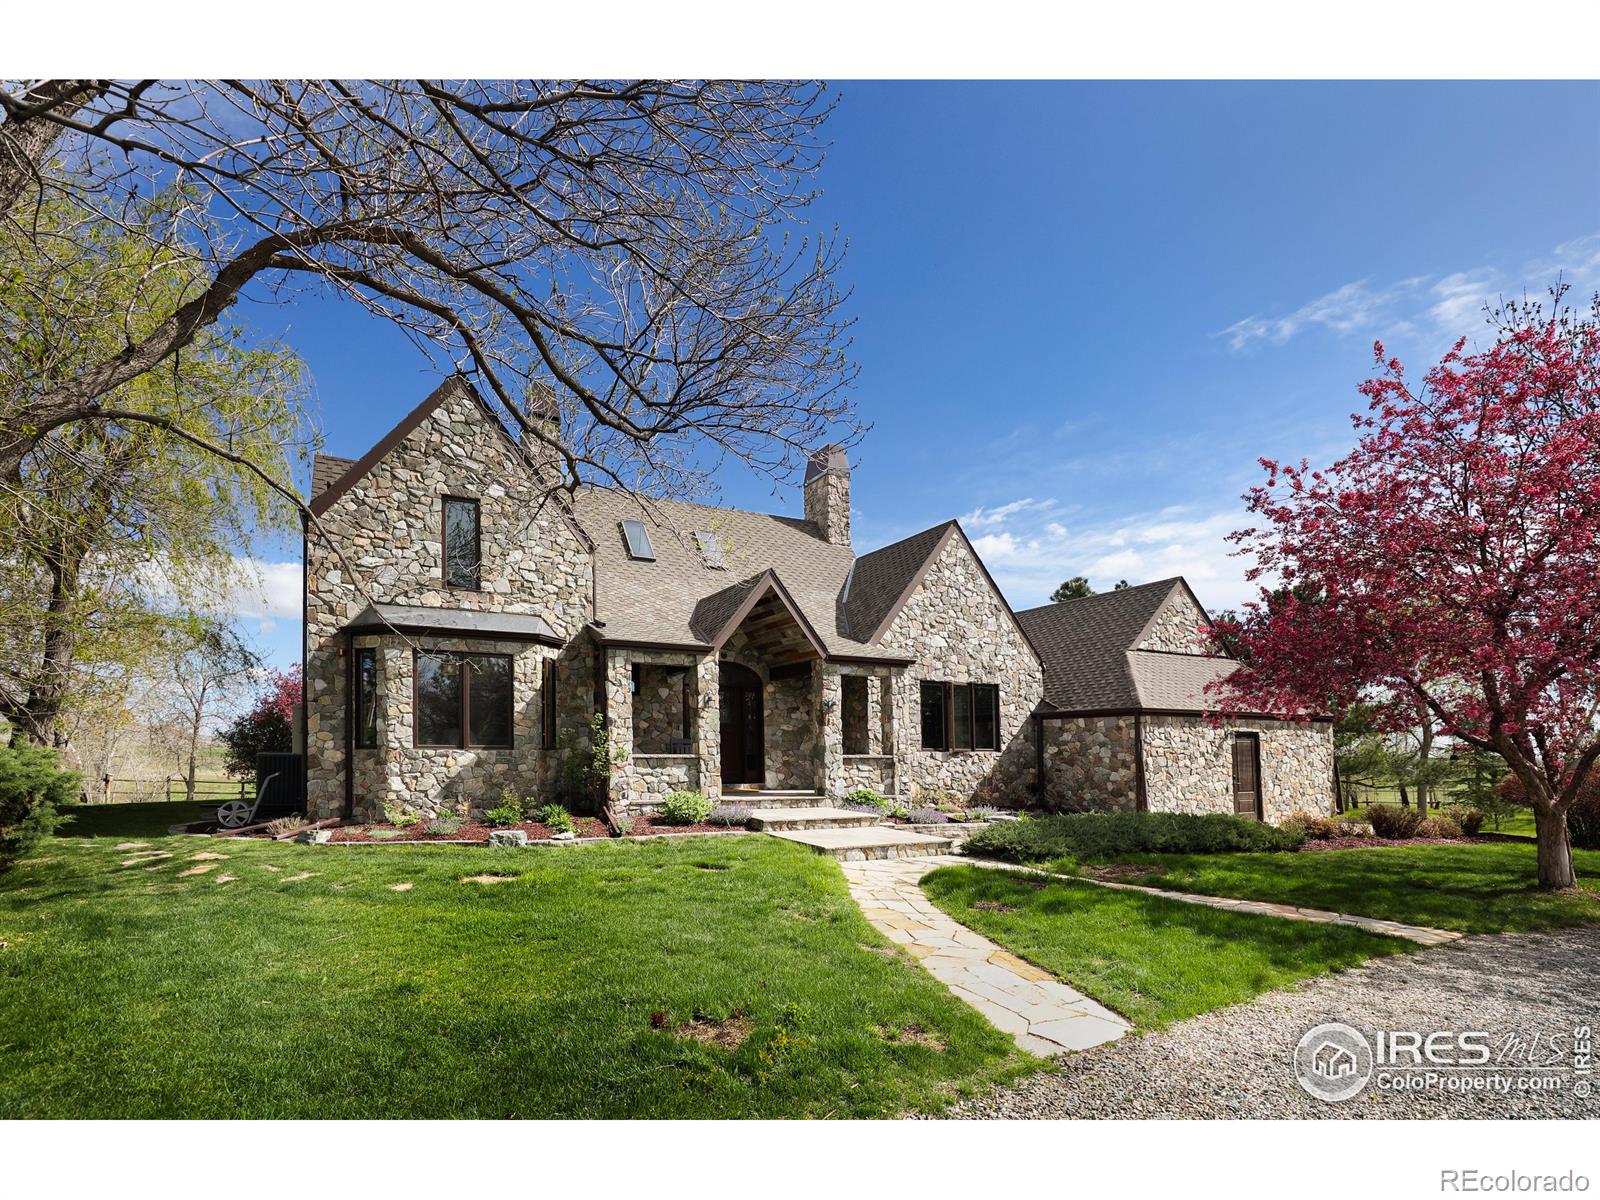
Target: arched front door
743 737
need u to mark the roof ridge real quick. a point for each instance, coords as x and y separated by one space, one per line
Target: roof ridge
1132 587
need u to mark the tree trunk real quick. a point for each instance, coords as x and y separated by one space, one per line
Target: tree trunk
1555 850
1405 797
27 142
1424 746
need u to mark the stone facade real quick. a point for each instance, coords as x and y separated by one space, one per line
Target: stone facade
960 630
1177 627
1189 765
1091 764
389 525
826 494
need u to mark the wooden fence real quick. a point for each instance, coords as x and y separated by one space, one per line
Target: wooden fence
110 790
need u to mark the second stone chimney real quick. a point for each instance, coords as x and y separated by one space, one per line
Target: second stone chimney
827 494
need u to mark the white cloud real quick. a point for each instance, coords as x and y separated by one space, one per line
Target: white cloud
1029 557
263 590
984 518
1451 304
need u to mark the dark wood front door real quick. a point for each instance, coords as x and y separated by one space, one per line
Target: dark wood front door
1247 775
743 736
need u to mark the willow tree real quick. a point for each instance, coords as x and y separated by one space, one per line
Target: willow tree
106 525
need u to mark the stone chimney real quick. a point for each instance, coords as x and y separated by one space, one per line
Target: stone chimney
543 411
827 494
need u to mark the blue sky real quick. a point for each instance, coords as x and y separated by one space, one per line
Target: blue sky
1084 310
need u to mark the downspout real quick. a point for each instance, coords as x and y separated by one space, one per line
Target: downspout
349 725
305 686
1038 759
1142 800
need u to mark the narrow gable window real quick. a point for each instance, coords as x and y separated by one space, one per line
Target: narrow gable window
549 690
710 550
462 543
638 539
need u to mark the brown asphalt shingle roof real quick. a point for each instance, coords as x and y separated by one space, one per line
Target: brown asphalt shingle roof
325 469
882 576
678 601
1090 664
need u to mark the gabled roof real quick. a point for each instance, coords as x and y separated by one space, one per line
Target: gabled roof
331 489
675 600
883 580
1090 664
717 616
326 470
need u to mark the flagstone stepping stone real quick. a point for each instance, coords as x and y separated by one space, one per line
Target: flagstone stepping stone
1043 1015
199 870
129 845
488 878
401 887
137 859
227 878
269 867
208 856
299 877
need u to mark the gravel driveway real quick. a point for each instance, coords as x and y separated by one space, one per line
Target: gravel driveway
1238 1061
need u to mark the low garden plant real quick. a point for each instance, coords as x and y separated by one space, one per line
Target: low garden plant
685 808
865 800
734 816
1098 837
399 816
1392 822
557 818
503 815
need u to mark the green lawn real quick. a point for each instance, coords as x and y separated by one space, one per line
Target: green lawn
1155 961
1482 888
130 990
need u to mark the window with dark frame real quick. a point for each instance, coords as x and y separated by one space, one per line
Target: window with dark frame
462 543
366 698
463 700
960 716
548 692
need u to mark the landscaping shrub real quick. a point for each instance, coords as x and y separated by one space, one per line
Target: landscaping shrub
927 816
1099 836
445 825
983 812
1440 825
399 816
685 808
503 816
1319 827
32 787
285 825
557 818
1394 823
731 815
864 800
1470 819
622 824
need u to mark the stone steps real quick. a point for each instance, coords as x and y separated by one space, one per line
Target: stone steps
860 842
774 820
766 799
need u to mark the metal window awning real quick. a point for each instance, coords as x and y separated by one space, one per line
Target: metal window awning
451 622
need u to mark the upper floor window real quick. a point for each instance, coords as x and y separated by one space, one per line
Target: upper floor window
710 550
960 716
638 539
462 543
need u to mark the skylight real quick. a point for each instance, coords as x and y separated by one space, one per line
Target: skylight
710 549
638 539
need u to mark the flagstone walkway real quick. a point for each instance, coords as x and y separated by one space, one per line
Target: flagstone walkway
1044 1015
1416 933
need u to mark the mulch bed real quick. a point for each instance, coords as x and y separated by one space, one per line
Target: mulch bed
472 831
643 825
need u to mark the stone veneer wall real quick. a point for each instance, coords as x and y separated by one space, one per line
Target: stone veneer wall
658 716
643 778
1189 765
791 734
430 781
959 630
1090 764
1177 627
388 525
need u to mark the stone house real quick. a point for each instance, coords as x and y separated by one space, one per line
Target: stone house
495 622
1122 723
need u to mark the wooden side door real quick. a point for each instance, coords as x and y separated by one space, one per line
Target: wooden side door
1247 775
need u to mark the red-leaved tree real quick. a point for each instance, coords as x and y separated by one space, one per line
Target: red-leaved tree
268 725
1450 562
